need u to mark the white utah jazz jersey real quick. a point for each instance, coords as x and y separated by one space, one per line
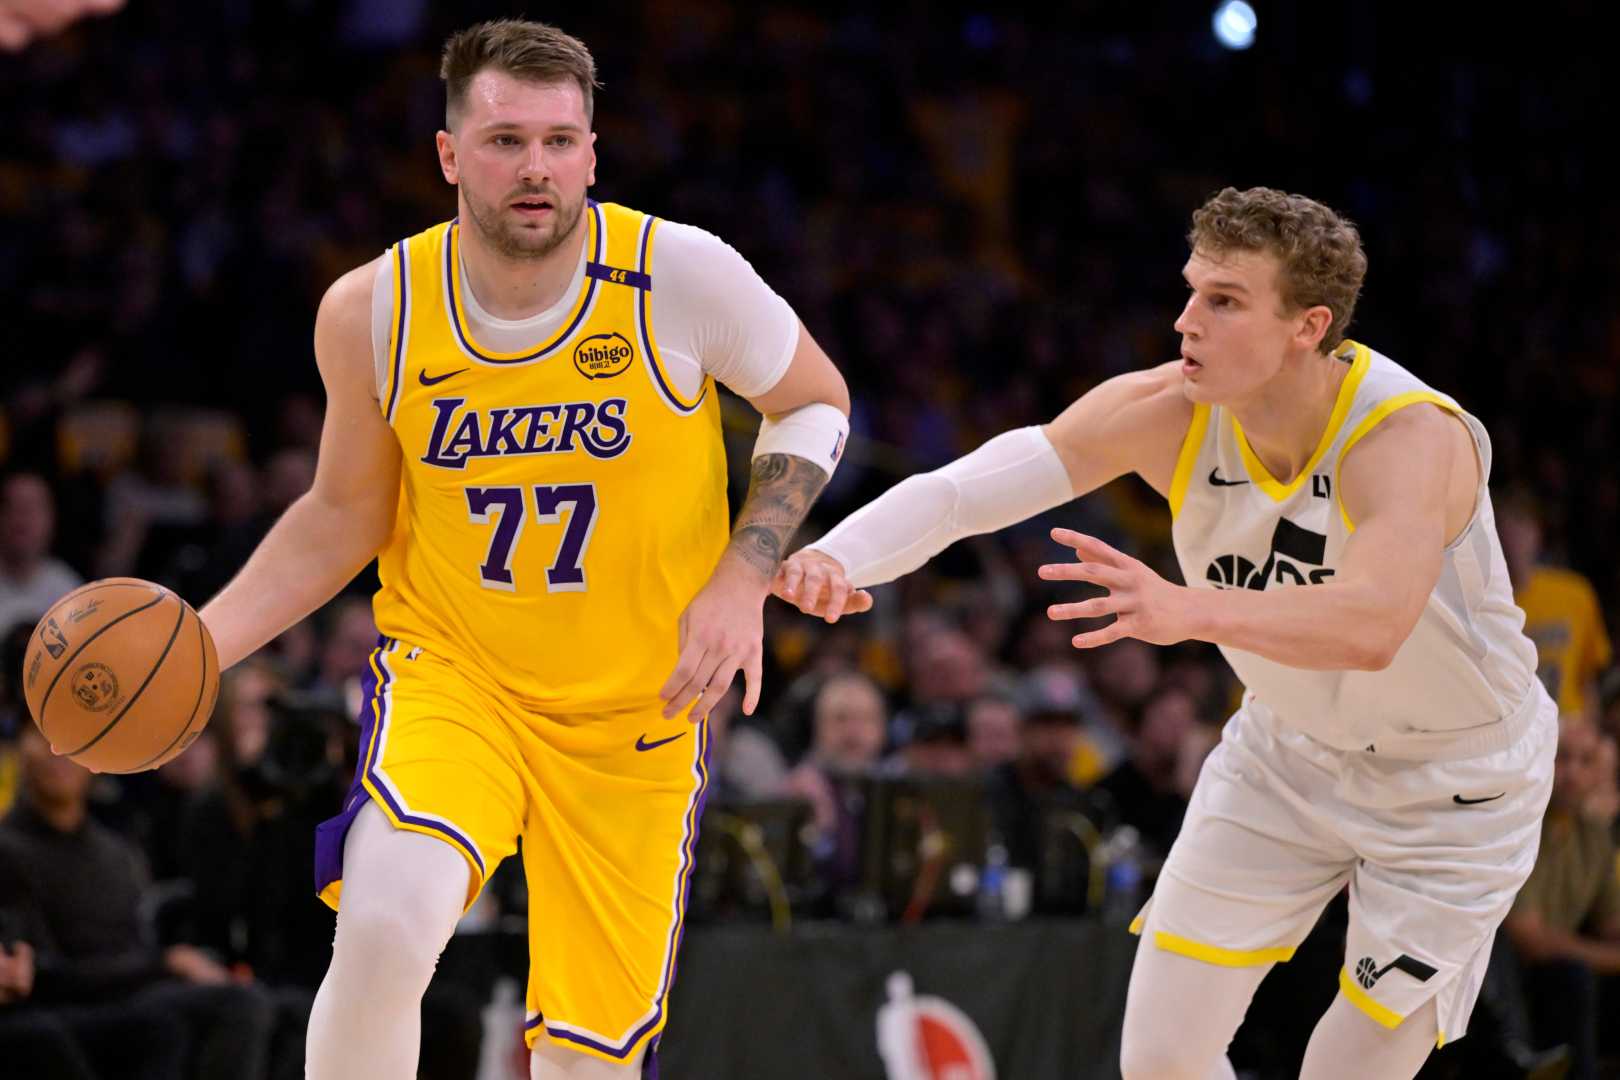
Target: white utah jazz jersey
1467 666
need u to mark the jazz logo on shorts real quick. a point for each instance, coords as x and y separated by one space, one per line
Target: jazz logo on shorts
1368 973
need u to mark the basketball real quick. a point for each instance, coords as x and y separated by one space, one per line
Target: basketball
120 675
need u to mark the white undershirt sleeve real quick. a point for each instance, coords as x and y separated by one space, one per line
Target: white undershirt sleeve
1014 476
712 314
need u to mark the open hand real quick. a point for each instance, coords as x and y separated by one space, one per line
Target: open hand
1144 605
721 633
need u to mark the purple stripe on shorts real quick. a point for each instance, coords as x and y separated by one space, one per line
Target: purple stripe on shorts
395 805
331 834
694 813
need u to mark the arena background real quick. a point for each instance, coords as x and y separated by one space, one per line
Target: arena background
979 214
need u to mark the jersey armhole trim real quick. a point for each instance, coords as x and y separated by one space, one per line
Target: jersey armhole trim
397 327
1381 412
649 345
1191 444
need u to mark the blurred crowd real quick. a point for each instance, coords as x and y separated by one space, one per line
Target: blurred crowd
979 216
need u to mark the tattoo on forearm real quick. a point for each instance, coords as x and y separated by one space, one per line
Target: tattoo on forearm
781 490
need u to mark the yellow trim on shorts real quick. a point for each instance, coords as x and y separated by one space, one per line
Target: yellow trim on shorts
1214 954
1190 445
1379 414
1364 1001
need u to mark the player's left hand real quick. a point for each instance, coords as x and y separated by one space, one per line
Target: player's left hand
1144 605
721 632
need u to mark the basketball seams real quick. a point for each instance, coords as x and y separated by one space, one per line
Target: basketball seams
202 685
173 634
44 701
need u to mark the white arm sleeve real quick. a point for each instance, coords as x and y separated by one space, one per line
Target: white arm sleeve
713 314
1014 476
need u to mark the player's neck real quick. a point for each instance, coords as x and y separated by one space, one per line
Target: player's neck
1284 421
510 288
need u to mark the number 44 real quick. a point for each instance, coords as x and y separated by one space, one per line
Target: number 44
567 572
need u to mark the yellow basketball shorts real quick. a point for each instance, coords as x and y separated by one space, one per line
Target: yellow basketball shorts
607 806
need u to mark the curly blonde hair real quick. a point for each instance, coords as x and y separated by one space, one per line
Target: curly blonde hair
1320 251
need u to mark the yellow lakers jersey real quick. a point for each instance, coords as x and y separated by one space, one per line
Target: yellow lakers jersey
1562 616
559 506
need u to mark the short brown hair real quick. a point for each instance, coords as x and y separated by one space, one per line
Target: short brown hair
531 51
1320 251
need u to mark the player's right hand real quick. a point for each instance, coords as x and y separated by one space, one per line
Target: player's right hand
815 584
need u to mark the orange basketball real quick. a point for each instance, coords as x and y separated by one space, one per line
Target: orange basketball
120 675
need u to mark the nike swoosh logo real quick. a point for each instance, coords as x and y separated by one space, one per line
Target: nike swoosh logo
1215 478
643 744
434 380
1460 801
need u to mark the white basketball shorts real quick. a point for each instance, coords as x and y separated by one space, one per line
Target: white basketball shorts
1433 852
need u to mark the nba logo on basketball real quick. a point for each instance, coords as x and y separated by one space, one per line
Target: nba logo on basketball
928 1038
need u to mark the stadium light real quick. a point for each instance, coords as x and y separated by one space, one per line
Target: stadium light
1234 24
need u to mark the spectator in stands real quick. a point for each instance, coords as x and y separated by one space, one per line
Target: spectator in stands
1561 611
30 579
743 761
850 719
1053 747
1123 676
13 713
936 744
1565 924
94 944
349 638
235 525
995 726
84 1042
1144 786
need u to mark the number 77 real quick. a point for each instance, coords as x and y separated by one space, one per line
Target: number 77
567 571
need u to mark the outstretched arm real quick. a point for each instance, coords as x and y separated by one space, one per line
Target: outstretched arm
1132 423
1397 487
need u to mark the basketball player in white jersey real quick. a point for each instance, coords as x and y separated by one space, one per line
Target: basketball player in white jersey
1332 519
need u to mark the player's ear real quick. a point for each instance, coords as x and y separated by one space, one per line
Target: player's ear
446 143
590 176
1313 325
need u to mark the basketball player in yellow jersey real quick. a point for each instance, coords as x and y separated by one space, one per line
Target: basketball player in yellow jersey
522 426
1335 532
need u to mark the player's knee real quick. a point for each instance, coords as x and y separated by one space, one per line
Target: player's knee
397 939
1162 1057
548 1061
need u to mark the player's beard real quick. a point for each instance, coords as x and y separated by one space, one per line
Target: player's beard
511 239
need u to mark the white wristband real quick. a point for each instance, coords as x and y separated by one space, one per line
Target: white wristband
815 432
1014 476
